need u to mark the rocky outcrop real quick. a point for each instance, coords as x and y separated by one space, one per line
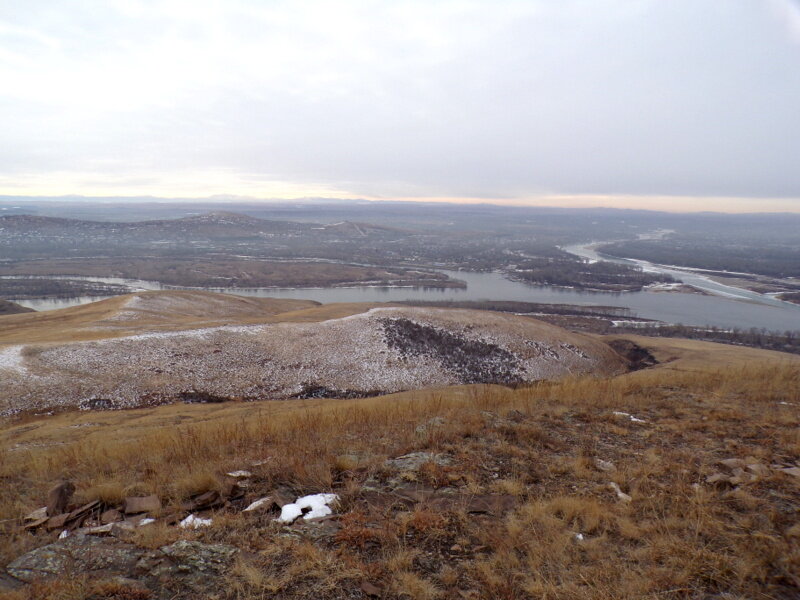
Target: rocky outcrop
189 566
77 554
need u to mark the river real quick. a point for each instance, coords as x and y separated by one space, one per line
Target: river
727 307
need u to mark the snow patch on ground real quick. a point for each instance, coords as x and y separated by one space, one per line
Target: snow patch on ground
629 416
193 522
317 505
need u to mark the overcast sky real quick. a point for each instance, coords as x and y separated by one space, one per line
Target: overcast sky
648 103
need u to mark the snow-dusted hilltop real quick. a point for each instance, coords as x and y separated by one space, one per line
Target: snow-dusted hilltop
322 351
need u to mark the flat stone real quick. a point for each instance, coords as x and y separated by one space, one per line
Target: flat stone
414 460
759 470
717 477
266 504
240 474
77 516
58 521
141 504
122 528
97 530
371 589
37 515
604 465
36 524
733 463
112 515
135 520
794 471
211 499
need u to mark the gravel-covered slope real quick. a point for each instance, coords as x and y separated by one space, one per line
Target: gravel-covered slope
381 350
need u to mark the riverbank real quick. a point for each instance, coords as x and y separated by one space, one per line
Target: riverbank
710 282
196 273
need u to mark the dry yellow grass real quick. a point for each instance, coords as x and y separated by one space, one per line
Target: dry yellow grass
98 320
678 354
678 538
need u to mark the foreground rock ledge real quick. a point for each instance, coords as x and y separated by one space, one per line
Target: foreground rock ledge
184 564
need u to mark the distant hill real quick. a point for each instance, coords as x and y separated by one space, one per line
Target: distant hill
11 308
209 224
211 234
30 228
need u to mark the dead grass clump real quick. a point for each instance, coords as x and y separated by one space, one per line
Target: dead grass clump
288 568
356 532
345 463
156 535
401 560
424 522
410 585
110 493
196 482
584 514
511 486
79 588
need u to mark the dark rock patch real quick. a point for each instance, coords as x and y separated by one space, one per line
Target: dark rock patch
12 308
637 357
97 404
200 397
320 391
474 361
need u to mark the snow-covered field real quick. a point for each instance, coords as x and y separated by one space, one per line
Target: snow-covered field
382 350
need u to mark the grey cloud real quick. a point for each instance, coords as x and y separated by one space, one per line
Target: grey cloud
485 100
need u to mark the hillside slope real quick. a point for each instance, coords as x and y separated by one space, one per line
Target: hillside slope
155 348
12 308
142 312
675 485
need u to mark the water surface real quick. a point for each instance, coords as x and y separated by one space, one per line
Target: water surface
731 308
